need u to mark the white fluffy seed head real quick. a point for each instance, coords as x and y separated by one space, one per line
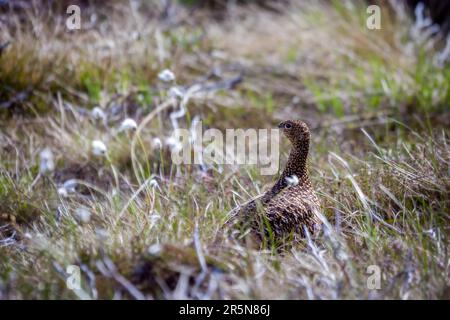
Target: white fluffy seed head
173 144
166 76
128 124
98 148
27 235
153 183
98 114
83 214
154 249
46 162
70 185
63 192
156 143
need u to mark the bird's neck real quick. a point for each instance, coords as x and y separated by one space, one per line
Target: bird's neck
295 166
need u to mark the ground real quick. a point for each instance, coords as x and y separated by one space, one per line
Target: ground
377 103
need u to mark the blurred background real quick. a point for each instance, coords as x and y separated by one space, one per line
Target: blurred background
81 184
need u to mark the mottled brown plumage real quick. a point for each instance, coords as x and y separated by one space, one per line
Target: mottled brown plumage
289 206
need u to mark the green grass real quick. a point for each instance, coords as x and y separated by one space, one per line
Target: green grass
384 191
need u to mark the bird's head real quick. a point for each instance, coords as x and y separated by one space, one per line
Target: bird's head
296 131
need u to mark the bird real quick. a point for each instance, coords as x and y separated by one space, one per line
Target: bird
289 207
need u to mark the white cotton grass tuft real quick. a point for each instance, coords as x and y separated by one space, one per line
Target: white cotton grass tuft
153 183
154 218
28 235
173 144
431 232
128 124
46 161
62 192
98 114
156 143
70 185
292 180
166 76
83 214
154 249
98 148
67 188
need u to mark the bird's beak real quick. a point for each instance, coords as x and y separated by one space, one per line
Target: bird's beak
281 125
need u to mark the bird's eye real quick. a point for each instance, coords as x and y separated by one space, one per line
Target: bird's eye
288 125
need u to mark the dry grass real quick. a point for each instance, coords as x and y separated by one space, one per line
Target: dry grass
152 228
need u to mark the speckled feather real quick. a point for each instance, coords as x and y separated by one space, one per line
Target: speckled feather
289 209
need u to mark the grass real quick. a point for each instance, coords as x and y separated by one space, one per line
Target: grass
376 102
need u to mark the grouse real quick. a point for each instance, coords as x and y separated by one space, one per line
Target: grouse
288 208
